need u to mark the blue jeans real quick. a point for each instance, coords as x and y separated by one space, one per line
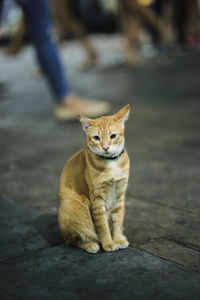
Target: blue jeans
38 21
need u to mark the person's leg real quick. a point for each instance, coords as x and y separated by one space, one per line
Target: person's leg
37 17
66 21
190 24
38 21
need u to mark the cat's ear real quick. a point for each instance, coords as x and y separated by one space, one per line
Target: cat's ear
86 122
123 114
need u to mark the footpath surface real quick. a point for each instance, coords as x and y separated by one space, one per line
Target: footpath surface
162 219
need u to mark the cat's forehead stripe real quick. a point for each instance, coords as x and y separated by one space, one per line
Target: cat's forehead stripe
104 125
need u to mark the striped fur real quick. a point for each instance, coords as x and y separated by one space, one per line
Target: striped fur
91 192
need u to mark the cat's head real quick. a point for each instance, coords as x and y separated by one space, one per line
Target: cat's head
105 135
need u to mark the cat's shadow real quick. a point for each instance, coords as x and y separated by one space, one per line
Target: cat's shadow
47 226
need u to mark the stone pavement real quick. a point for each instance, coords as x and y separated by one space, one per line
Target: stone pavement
162 219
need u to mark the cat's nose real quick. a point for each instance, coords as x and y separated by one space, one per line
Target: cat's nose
105 148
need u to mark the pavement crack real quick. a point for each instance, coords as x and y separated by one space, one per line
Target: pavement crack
172 239
183 244
144 199
166 259
12 258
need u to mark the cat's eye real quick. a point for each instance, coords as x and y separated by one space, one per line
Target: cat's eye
96 138
113 136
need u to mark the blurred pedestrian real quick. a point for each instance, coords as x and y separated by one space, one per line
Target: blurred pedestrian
38 21
181 17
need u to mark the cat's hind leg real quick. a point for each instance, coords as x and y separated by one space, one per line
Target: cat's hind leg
81 240
76 223
90 247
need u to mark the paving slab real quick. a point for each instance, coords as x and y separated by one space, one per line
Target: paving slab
69 273
25 229
36 264
163 231
165 155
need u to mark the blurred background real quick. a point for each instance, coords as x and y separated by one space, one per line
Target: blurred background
141 52
145 27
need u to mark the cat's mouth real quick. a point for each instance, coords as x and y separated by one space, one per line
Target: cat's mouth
102 152
107 153
110 154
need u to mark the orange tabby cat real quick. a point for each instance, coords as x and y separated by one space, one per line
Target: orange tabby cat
93 184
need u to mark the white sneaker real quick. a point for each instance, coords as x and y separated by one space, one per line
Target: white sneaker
88 107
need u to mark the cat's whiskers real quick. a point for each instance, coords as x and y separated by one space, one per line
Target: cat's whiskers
114 150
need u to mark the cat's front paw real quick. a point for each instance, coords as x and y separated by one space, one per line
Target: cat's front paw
122 242
110 247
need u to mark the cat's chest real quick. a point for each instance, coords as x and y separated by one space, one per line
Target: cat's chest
114 172
111 197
